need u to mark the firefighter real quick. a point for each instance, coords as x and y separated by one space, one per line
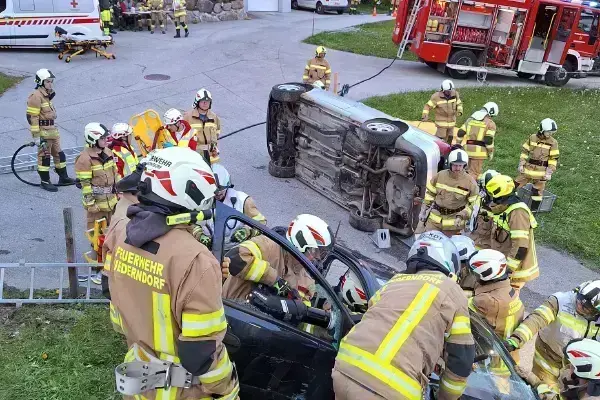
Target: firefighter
512 230
578 379
143 18
496 300
235 231
261 260
157 15
97 173
449 197
179 13
448 107
465 248
318 69
124 154
477 136
106 16
182 134
353 7
562 317
166 287
412 321
539 157
207 125
483 226
41 115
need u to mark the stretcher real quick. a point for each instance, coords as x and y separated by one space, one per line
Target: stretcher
75 45
148 131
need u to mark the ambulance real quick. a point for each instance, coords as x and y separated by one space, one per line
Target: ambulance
31 23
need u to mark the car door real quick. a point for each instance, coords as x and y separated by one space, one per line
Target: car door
274 359
6 27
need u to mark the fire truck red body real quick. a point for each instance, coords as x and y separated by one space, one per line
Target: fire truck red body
550 39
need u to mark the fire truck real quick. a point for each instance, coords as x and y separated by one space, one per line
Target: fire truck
549 40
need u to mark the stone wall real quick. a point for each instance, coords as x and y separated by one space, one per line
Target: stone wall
213 10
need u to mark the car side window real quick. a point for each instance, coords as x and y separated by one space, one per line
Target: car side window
262 267
2 5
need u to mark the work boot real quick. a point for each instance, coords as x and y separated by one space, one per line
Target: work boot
63 177
111 30
140 28
48 186
164 32
152 32
187 33
178 34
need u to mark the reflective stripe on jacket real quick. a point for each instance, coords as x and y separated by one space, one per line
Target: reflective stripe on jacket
40 108
96 168
317 69
403 334
446 109
449 193
540 150
478 137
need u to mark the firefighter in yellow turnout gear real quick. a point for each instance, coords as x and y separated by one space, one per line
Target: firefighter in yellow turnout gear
562 317
447 106
179 13
207 125
539 158
318 69
497 301
157 15
477 137
165 288
415 319
512 230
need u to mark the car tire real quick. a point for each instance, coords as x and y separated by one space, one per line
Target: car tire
363 224
320 8
294 4
288 92
462 57
381 132
281 172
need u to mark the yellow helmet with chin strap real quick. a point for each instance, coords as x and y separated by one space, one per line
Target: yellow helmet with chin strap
500 186
321 50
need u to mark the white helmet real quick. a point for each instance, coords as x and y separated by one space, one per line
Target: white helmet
202 95
352 291
121 130
488 264
436 251
458 156
307 232
447 85
319 84
584 356
548 125
491 108
93 132
179 178
464 245
43 74
588 295
223 177
173 116
485 177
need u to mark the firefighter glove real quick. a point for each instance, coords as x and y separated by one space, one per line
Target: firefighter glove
225 267
205 240
425 118
547 176
511 344
240 235
282 287
93 209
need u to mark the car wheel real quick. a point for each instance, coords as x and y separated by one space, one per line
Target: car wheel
462 57
363 223
320 8
524 75
281 172
381 132
294 4
288 92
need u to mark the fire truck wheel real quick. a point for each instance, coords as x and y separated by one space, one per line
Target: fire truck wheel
294 4
524 75
462 57
558 77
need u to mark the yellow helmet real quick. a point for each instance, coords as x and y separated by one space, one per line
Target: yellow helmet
500 186
321 50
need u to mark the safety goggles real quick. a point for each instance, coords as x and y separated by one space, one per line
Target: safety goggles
317 253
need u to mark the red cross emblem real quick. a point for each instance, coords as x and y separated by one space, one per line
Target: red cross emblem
74 3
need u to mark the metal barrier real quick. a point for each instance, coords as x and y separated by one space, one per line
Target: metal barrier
28 161
60 299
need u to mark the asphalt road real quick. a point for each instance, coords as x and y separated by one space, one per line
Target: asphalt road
238 62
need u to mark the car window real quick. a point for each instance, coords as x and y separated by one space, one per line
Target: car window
261 264
2 5
588 23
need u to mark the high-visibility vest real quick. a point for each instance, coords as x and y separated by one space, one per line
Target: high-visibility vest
129 159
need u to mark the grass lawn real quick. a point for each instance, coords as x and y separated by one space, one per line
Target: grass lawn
573 224
6 82
58 353
374 39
